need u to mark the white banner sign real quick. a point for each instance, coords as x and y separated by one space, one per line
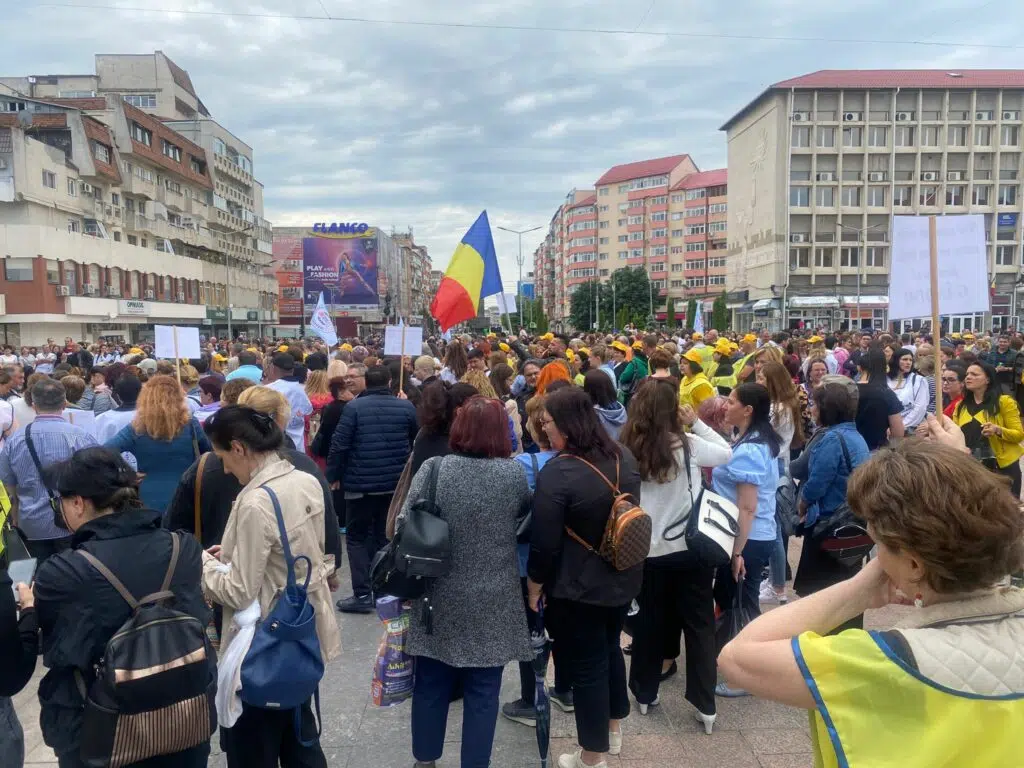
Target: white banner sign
174 342
506 303
962 264
132 307
321 323
396 344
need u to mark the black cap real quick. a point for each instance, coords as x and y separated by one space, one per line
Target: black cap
283 361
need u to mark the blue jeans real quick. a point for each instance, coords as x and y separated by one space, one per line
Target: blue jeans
430 699
12 738
756 555
777 562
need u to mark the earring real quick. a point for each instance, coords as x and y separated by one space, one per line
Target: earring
919 600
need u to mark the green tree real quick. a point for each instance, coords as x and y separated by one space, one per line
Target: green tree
581 306
720 314
670 313
691 313
629 292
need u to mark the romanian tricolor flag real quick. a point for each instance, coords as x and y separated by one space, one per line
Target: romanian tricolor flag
472 275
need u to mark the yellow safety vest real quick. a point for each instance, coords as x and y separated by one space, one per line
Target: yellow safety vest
695 390
5 512
875 712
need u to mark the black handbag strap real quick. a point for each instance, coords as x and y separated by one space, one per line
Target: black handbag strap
435 470
846 453
39 466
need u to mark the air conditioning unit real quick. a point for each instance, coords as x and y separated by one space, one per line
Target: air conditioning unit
801 117
113 291
930 176
798 237
86 188
986 115
181 297
63 290
150 294
876 176
900 116
825 176
89 290
850 117
1013 115
954 176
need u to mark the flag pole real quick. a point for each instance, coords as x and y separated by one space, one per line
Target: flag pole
401 366
933 267
177 358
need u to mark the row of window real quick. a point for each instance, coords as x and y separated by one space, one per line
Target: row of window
699 282
849 256
851 196
903 136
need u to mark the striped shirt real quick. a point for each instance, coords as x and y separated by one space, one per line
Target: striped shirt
54 440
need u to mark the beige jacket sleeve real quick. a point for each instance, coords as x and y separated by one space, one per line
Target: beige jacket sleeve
254 534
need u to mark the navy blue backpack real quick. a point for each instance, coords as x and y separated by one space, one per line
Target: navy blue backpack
283 667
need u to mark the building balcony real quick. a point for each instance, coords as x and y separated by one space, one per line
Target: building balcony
133 185
222 164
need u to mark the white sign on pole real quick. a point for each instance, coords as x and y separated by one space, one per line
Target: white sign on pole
507 303
393 340
321 323
962 263
174 342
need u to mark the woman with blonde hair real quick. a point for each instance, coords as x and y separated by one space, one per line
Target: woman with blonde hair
318 391
164 438
481 382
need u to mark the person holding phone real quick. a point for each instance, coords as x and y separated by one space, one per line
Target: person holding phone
19 645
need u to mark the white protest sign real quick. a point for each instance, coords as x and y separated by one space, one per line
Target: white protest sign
321 323
84 419
962 265
174 342
506 303
393 340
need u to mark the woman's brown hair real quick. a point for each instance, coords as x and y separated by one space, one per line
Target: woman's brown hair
783 394
161 412
956 516
654 431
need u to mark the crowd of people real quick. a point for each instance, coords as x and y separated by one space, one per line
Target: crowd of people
239 477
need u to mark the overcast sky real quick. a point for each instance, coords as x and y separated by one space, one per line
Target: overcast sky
423 126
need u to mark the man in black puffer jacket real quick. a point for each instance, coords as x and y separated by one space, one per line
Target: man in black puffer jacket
368 452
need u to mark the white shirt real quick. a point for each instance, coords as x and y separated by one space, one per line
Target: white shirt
297 398
913 395
24 414
8 359
109 423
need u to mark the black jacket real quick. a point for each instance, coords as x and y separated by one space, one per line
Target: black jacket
372 443
570 494
426 446
79 611
529 446
330 417
218 493
19 641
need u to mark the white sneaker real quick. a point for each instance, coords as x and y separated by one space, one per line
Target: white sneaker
708 721
769 595
614 742
575 760
644 707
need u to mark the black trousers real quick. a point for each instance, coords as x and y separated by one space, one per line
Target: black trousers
587 638
527 677
261 737
42 549
196 757
677 591
1013 472
364 537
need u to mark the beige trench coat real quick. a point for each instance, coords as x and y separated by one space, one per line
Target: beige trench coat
252 545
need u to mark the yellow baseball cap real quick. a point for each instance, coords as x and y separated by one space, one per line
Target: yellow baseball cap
346 347
698 336
570 355
504 347
283 348
815 340
547 336
723 347
135 351
638 345
220 358
492 335
733 346
694 357
969 337
620 346
749 339
956 335
583 351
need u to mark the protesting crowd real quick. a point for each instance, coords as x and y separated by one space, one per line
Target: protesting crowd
626 504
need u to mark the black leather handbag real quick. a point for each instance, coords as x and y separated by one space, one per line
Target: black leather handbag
842 536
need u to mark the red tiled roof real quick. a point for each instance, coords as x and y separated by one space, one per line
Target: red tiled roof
39 120
640 170
907 78
701 179
97 131
155 155
93 102
585 201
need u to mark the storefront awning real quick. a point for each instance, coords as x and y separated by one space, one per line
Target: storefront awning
877 301
746 306
766 304
808 302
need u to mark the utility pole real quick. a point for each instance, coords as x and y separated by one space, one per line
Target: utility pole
597 305
615 315
519 261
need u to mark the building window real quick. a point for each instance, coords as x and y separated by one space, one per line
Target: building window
636 253
602 241
716 279
716 227
853 136
695 282
677 283
196 165
801 136
72 188
902 197
658 266
849 256
928 196
695 247
656 233
678 198
140 100
602 256
695 264
675 249
981 195
117 236
603 191
18 270
659 200
696 194
800 196
983 135
956 136
716 261
101 152
718 208
635 220
1007 194
677 233
878 136
52 271
1009 136
876 197
851 196
677 267
930 136
1004 255
133 240
622 254
659 216
50 179
115 198
824 257
904 136
142 135
172 151
825 197
826 136
634 236
74 225
71 277
955 194
695 229
604 208
604 273
874 256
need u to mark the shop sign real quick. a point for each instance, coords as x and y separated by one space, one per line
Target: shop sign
132 307
252 315
340 228
216 314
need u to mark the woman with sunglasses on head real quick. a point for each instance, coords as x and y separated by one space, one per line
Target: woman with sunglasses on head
671 445
910 387
248 444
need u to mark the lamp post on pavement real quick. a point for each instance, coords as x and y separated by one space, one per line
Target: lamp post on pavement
519 261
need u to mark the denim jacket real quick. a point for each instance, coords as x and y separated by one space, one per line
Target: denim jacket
825 487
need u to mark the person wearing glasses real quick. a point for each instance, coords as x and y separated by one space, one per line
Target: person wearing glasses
531 373
953 375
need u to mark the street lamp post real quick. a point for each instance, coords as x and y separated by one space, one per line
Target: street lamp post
519 261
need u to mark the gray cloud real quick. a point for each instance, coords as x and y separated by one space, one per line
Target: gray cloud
422 127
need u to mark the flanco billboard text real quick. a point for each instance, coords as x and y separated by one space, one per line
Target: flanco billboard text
340 228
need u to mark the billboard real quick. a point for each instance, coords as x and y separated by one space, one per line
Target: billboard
343 267
287 268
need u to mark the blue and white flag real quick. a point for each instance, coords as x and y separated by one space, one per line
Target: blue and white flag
321 323
698 320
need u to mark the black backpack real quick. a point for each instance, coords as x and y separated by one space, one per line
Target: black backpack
153 693
420 551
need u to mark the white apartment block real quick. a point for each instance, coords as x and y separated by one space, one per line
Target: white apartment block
819 164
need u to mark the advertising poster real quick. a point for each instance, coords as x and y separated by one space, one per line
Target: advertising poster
343 267
287 268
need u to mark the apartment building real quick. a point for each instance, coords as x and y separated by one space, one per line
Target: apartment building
102 227
413 297
819 164
697 239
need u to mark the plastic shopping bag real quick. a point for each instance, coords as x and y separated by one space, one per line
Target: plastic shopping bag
393 670
229 668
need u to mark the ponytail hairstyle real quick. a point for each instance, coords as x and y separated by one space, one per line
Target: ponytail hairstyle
255 430
760 429
98 474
